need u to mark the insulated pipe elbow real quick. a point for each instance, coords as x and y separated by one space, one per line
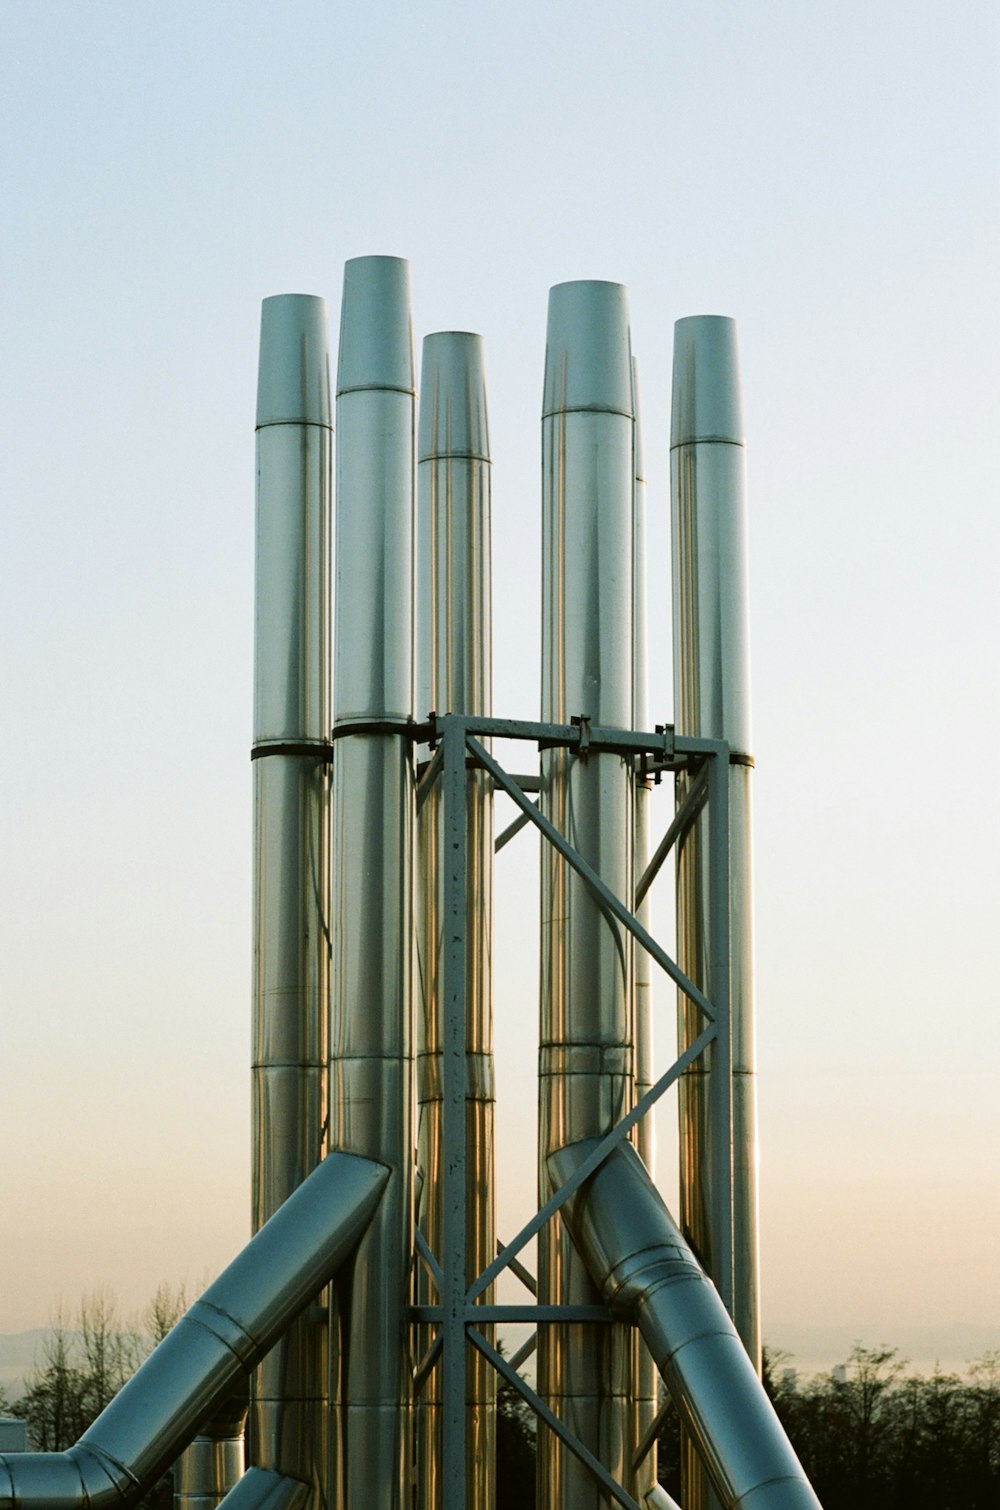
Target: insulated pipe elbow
193 1371
646 1272
72 1480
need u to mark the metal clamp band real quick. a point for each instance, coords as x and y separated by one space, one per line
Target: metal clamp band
322 751
408 726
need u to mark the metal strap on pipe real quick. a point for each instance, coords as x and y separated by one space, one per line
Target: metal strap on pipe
322 751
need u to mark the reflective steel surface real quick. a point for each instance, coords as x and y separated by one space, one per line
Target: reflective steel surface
371 1064
197 1366
586 1055
215 1461
291 918
260 1489
644 1393
207 1470
373 643
712 698
646 1271
454 675
711 647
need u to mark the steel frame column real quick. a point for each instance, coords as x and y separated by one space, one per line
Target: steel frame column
454 1197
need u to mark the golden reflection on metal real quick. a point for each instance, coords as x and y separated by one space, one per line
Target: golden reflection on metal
586 1050
371 1052
454 675
712 699
291 781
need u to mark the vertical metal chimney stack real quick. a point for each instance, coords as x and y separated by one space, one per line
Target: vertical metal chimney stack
712 697
645 1382
291 971
586 1051
371 1063
455 676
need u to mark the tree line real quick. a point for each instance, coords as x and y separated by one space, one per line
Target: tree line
869 1434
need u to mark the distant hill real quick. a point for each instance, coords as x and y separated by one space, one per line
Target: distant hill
19 1352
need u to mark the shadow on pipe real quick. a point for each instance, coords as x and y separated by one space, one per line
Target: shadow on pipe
186 1380
647 1274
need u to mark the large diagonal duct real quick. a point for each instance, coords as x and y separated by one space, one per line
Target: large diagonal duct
371 1053
586 1050
186 1380
647 1274
454 675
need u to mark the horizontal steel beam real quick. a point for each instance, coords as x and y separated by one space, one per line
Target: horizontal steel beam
532 1313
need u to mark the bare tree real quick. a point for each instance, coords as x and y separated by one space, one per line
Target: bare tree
167 1306
53 1402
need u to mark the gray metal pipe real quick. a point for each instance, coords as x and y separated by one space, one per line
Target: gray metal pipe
371 1041
647 1274
189 1376
712 694
215 1461
454 675
644 1394
291 916
586 1053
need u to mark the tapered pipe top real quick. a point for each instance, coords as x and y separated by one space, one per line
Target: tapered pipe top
293 384
453 397
373 601
711 590
588 362
376 338
707 402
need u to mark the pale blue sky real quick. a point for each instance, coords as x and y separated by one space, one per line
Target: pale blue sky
824 172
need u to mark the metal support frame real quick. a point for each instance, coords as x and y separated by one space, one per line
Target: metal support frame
453 738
